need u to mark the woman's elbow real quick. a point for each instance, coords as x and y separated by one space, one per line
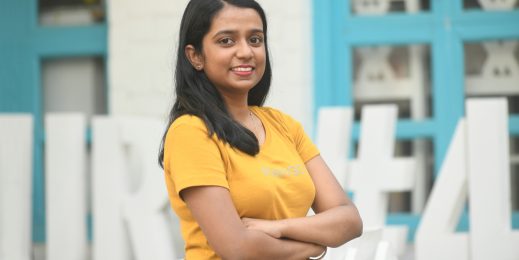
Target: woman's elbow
355 223
357 226
352 228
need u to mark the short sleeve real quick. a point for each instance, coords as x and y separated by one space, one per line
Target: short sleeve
192 157
305 147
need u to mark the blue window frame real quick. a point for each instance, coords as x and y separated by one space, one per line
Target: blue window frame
23 44
446 27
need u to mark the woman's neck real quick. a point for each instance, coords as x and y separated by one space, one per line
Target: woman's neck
239 111
238 107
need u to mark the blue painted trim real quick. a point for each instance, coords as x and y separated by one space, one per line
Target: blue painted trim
448 86
513 125
485 26
515 220
16 57
107 84
464 221
71 41
406 129
342 67
396 29
410 220
455 7
322 29
445 8
39 217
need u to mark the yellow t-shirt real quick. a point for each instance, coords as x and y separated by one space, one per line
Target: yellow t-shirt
274 184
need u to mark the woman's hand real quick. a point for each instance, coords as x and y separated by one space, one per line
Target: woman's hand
274 228
269 227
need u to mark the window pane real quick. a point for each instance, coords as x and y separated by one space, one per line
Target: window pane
492 70
491 5
74 85
70 12
382 7
414 201
393 74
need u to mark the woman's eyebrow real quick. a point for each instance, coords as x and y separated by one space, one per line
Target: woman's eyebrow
256 31
224 32
227 32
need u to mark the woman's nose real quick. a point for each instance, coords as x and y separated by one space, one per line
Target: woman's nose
244 50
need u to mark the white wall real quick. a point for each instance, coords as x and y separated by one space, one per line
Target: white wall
142 46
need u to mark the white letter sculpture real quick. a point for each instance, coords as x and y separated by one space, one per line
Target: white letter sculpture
123 147
16 142
333 140
491 234
483 149
65 186
436 237
375 172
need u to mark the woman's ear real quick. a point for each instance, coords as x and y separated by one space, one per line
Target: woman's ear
194 57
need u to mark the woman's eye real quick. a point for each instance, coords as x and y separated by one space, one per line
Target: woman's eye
256 40
226 41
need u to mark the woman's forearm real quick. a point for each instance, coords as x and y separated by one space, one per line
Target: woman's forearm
212 207
332 227
258 245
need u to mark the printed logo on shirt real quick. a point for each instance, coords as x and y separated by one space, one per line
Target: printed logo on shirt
293 170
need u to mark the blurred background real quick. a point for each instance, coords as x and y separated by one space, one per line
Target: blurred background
116 58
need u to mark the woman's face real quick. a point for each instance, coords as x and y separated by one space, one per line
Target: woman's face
234 50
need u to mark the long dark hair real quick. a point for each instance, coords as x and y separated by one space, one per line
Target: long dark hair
196 95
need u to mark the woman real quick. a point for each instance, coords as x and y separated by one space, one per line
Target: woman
242 177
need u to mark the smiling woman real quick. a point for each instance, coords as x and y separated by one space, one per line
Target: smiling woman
240 176
233 55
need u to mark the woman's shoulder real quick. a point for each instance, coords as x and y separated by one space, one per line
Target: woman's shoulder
187 119
188 123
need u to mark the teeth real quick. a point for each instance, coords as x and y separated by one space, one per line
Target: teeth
242 69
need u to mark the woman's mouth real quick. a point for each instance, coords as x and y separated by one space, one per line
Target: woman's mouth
243 70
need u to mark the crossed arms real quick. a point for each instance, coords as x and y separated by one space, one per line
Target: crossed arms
336 222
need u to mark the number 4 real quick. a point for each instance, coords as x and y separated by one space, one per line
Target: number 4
477 159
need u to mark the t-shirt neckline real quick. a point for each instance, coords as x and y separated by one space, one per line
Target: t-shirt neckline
256 111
